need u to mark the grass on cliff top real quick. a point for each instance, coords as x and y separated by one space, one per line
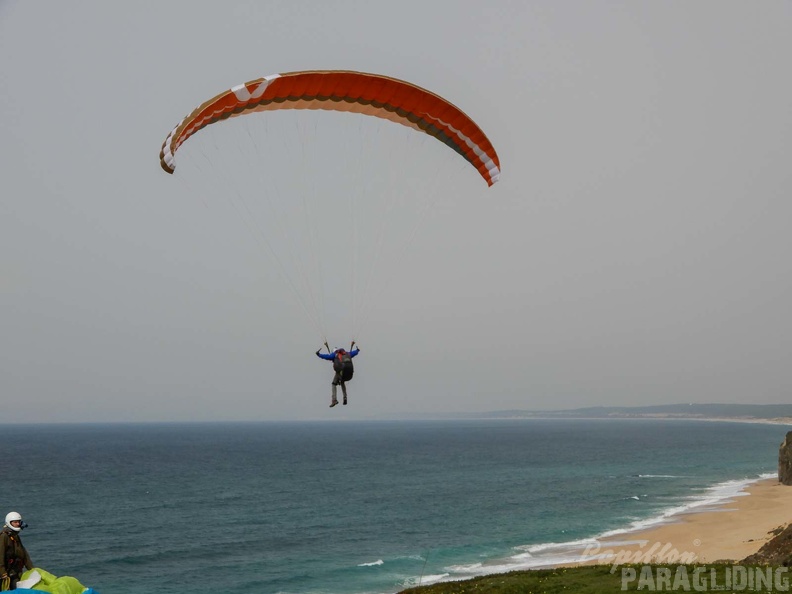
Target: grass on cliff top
600 580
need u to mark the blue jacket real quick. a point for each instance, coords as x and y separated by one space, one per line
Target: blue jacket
331 356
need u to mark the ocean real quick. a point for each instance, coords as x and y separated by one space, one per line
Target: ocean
354 507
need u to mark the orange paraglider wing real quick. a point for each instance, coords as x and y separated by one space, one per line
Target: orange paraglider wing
356 92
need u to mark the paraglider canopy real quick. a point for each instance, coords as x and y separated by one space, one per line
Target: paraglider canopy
340 90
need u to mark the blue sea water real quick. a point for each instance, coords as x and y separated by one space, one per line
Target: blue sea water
354 507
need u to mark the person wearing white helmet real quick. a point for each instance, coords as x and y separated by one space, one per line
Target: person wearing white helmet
13 556
342 365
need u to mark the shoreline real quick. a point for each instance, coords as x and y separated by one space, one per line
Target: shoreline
735 521
729 530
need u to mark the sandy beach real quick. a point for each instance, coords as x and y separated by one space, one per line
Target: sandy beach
732 531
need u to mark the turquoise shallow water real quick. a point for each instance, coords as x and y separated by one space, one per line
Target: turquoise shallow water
358 507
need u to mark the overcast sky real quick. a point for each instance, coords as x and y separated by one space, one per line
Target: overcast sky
636 250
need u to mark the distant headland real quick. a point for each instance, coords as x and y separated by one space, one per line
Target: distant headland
756 413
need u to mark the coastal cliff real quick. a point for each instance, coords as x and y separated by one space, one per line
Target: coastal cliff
785 460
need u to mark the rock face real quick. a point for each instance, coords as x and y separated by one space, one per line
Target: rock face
785 461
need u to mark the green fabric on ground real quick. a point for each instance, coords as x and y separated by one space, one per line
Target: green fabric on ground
55 585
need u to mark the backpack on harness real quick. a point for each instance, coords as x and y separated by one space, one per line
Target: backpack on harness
342 364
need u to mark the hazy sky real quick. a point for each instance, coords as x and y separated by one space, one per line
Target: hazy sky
636 250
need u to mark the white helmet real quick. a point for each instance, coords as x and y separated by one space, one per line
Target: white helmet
14 517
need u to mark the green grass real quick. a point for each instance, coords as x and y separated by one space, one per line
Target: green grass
600 580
